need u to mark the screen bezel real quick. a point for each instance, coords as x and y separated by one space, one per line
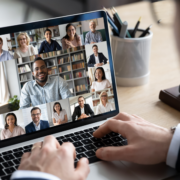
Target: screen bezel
70 125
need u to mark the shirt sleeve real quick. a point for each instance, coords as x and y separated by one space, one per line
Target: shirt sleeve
108 83
41 49
64 111
16 54
9 56
64 89
93 85
33 50
58 46
2 135
174 148
99 37
53 115
25 100
22 174
86 38
98 111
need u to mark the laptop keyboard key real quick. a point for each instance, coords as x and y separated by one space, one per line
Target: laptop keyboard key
96 127
117 144
113 134
6 153
1 160
27 150
86 141
9 157
93 159
106 137
90 147
9 170
6 177
18 149
66 136
77 144
16 161
72 134
90 153
77 138
79 156
18 154
124 142
70 140
99 144
8 164
95 139
86 135
108 142
80 149
28 147
116 139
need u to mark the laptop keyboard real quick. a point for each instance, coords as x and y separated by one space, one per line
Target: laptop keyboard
84 142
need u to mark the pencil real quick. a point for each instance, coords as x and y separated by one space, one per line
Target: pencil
119 19
108 14
116 21
136 27
146 31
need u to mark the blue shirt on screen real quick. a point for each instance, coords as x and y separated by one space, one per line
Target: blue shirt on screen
5 56
46 47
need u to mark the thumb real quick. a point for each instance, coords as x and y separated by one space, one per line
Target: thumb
82 169
114 153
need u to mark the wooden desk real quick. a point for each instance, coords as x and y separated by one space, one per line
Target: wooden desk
164 69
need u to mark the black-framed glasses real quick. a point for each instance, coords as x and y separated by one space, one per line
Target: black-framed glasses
164 11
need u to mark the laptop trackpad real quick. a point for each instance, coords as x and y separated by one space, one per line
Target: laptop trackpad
110 171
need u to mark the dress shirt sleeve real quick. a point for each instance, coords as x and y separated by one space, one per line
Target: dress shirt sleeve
173 151
100 37
58 46
64 89
87 38
104 58
22 174
98 111
41 49
25 100
108 83
9 56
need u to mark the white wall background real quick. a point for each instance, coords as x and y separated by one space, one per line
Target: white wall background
85 25
102 47
26 113
5 37
64 104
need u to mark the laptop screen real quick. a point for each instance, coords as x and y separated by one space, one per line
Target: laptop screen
54 75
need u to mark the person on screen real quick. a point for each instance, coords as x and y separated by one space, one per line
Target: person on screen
24 49
11 129
49 44
71 39
59 115
100 82
36 124
4 55
82 111
97 59
104 105
43 89
93 36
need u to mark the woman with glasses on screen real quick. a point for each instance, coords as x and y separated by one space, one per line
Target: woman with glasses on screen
71 39
100 82
24 49
59 115
104 105
11 128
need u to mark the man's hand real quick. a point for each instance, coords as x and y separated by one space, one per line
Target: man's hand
92 42
50 157
147 143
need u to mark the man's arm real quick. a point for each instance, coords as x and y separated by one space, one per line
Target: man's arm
87 38
90 110
58 46
41 49
104 58
99 37
90 63
25 100
74 114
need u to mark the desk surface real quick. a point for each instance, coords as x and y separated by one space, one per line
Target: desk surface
164 70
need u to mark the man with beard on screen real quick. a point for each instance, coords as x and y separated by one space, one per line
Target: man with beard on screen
43 89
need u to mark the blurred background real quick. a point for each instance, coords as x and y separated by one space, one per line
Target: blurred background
19 11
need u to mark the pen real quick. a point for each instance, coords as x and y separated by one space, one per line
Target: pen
116 21
146 31
108 14
119 19
123 30
136 27
113 26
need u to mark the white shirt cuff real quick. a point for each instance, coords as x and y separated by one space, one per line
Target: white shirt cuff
174 148
33 174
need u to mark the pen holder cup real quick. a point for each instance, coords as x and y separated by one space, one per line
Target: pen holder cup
131 59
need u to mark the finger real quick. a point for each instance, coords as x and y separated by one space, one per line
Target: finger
36 147
122 116
70 147
50 141
111 125
25 156
115 153
82 169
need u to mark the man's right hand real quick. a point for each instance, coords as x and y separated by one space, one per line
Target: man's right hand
147 142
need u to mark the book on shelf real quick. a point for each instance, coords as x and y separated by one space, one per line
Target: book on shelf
51 62
60 69
23 77
52 70
27 67
78 66
77 57
67 76
32 58
78 74
81 87
24 69
59 52
64 60
71 89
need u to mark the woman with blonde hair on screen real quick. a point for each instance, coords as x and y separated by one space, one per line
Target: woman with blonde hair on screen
24 49
104 105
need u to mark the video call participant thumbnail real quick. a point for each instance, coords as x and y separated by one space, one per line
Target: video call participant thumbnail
36 124
93 36
97 59
43 89
100 82
82 111
104 105
49 44
71 39
11 128
4 55
24 49
59 115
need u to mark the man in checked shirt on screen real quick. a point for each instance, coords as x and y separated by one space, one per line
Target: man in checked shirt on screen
43 89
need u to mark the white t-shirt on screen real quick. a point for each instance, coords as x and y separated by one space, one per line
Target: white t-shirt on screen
98 86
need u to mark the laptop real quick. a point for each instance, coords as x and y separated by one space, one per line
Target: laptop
69 104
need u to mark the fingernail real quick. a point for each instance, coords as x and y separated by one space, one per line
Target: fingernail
86 160
99 152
